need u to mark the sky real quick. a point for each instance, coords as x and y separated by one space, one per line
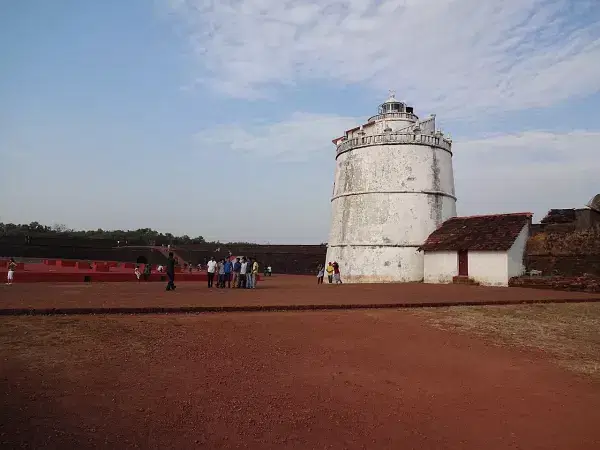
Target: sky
215 117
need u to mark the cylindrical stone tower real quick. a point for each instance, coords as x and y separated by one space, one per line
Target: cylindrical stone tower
394 185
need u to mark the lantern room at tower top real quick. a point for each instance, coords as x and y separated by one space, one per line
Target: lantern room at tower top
391 105
395 116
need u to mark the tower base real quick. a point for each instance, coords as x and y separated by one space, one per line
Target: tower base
377 264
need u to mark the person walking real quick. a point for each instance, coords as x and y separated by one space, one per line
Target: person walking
171 272
211 267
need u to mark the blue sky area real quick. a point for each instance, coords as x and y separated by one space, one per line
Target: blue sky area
216 119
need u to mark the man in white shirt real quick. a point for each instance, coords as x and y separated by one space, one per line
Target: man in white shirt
211 267
243 272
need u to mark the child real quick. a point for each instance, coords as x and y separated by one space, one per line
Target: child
12 265
320 274
137 272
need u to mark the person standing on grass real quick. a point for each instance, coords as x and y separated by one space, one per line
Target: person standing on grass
237 267
254 273
336 273
329 270
320 274
12 266
243 273
171 272
211 267
227 267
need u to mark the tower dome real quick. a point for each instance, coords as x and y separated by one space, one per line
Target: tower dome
394 185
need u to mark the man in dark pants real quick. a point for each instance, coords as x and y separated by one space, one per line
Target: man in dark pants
147 272
211 269
171 272
237 267
243 272
227 267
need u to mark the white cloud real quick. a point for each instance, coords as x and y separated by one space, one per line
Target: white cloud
300 138
530 171
456 57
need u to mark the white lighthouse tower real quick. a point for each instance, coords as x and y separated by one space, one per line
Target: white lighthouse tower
394 185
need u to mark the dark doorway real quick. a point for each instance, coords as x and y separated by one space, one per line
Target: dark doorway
141 260
463 263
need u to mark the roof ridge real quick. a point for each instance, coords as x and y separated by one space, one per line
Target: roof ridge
528 214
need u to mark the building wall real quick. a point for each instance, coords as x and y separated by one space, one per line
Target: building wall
516 254
489 268
440 267
377 264
386 200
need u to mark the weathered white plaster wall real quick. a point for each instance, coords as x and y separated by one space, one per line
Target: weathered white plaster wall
377 264
440 267
395 167
489 268
516 254
386 200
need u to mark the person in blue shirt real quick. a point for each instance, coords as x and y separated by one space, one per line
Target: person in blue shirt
228 266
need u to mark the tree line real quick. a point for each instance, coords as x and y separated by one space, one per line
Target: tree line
146 236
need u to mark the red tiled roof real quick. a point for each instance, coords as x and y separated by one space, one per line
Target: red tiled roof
484 233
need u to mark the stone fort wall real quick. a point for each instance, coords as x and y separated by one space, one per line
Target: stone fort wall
566 242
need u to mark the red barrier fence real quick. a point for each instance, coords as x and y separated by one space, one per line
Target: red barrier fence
101 267
67 263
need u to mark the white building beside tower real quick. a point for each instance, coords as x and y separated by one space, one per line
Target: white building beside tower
394 185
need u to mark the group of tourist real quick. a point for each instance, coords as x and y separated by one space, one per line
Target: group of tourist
242 273
333 273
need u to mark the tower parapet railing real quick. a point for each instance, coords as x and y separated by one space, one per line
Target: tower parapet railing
395 138
394 115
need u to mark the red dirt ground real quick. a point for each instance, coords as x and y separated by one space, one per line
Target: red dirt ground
302 380
276 291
